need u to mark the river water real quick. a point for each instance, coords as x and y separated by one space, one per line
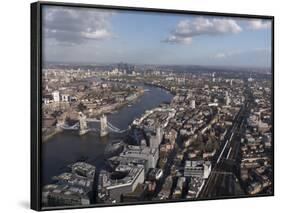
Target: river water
68 147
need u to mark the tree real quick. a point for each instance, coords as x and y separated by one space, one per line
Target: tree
81 107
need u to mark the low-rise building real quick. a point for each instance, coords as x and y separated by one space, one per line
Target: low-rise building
199 168
111 188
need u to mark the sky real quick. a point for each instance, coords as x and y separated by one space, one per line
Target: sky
87 35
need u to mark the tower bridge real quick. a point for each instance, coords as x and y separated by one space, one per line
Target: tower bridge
83 127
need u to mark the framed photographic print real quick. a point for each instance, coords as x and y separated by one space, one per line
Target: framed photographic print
138 106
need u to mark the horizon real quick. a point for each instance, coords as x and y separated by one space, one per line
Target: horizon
138 64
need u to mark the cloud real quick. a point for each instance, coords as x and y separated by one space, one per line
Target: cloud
178 39
220 55
258 24
187 29
75 25
227 55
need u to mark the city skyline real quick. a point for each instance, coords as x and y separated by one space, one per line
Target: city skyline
112 36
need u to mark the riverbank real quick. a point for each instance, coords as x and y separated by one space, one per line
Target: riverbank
143 83
114 107
48 134
161 87
68 147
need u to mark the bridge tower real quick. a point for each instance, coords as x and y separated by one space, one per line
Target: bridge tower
83 124
103 126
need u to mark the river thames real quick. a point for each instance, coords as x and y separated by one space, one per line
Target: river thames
68 147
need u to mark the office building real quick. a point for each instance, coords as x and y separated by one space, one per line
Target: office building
56 96
199 168
192 104
64 195
111 188
142 152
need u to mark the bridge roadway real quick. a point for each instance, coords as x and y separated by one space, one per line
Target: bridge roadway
76 126
228 153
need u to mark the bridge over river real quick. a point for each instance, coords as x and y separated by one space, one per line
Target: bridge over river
83 127
67 146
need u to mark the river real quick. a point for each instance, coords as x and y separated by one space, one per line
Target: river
68 147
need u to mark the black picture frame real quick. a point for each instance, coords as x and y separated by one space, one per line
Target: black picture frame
36 94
